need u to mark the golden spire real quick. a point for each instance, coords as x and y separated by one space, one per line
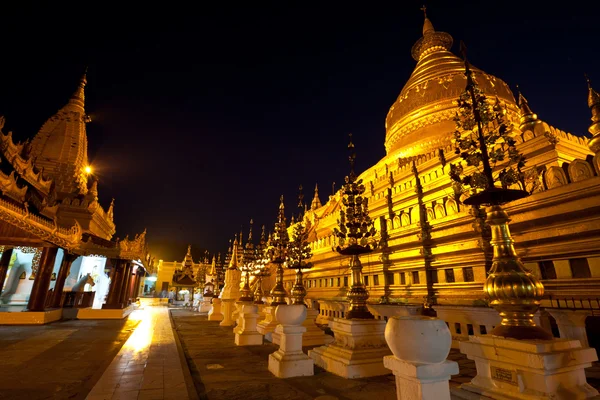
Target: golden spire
316 202
250 233
427 25
594 129
213 269
431 41
528 117
77 100
233 263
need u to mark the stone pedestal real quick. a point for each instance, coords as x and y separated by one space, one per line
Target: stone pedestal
289 360
314 336
571 324
205 305
357 351
421 381
215 310
227 308
237 313
246 333
527 369
267 326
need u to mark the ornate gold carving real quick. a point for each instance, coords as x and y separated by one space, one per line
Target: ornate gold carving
555 177
580 170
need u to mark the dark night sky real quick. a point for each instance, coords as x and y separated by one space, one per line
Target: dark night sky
202 117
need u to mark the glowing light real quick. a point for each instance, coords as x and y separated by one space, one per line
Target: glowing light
151 279
88 169
141 338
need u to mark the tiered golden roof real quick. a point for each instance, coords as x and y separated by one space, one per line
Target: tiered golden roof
60 147
421 119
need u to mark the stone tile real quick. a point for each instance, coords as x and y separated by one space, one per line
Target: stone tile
152 394
126 395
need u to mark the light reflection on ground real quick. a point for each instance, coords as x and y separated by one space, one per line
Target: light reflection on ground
141 338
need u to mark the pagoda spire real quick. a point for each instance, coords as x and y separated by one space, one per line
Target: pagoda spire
213 268
427 25
528 117
250 233
594 128
233 263
431 41
77 100
316 202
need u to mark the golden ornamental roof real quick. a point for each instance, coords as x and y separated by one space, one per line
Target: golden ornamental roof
60 146
421 119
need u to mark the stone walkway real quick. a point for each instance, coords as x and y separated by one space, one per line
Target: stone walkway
61 360
148 365
224 371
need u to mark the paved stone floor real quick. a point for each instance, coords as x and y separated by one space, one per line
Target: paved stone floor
223 371
61 360
148 366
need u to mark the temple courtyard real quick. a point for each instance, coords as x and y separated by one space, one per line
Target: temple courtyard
168 353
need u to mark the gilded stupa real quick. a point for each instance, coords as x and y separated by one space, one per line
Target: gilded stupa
421 119
434 250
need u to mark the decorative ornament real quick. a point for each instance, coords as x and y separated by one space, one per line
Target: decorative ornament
355 233
514 292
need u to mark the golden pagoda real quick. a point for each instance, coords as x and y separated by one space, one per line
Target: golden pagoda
437 250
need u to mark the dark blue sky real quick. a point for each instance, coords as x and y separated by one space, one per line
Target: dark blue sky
202 117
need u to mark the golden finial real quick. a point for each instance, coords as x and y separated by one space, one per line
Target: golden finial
352 159
316 202
250 233
528 117
427 25
594 128
77 100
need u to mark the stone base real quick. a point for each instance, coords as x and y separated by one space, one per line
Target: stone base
215 311
357 351
227 308
267 326
421 381
204 306
248 339
289 365
30 317
246 333
96 313
314 336
527 369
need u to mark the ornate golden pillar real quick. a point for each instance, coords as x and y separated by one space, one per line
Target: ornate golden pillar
37 299
63 272
4 261
116 282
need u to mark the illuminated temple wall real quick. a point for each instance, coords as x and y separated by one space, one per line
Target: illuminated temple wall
555 230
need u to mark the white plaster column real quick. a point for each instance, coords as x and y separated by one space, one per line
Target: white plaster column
227 307
420 346
215 313
289 360
246 333
571 324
